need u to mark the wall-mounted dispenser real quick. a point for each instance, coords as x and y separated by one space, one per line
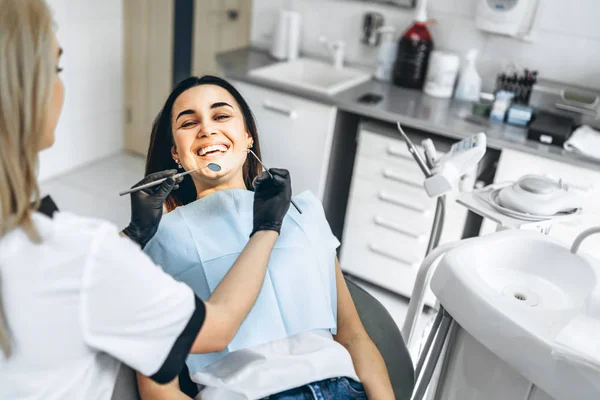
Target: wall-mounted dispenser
507 17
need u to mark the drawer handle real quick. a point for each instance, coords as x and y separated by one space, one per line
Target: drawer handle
396 152
395 176
397 228
291 114
375 249
394 200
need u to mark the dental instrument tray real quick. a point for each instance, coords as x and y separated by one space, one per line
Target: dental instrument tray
532 198
491 196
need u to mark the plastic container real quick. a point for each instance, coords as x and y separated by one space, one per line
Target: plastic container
482 108
469 81
441 74
414 49
501 105
387 54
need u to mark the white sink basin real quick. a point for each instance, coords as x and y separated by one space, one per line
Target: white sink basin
514 291
312 75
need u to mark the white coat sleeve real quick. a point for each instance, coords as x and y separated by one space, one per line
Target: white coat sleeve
134 311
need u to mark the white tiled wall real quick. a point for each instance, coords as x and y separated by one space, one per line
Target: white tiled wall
91 125
565 47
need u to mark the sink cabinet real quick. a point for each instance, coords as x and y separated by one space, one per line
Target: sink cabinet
294 133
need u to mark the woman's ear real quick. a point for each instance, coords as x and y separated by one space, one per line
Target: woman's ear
249 140
174 152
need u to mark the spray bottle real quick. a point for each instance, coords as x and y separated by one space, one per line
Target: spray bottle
469 82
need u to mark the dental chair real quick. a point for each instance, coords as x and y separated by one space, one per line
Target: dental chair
379 325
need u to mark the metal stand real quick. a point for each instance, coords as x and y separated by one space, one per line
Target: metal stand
438 225
443 321
428 360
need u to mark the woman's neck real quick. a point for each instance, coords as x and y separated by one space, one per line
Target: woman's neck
204 190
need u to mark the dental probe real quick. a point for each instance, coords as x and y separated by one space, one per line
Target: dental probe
413 150
212 166
271 175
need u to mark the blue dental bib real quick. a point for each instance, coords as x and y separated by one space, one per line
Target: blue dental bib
198 244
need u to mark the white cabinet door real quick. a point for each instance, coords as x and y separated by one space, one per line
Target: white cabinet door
294 133
514 164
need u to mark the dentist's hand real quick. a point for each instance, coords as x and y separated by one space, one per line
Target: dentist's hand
147 206
272 198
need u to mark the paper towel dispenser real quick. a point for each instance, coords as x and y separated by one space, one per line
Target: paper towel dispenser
506 17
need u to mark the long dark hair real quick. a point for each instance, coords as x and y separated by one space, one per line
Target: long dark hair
159 156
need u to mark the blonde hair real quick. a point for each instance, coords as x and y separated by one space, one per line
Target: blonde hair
27 70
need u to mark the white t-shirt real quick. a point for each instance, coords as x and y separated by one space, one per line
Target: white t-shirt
275 367
83 301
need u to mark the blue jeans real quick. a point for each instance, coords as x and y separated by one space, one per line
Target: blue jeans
327 389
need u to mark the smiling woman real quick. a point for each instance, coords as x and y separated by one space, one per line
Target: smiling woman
304 318
204 120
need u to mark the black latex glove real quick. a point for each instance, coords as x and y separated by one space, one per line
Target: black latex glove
272 198
147 206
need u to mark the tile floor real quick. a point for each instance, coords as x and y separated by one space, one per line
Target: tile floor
93 190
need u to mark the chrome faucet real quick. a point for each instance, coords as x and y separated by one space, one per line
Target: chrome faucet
336 49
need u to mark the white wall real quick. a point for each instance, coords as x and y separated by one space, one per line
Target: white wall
566 36
91 125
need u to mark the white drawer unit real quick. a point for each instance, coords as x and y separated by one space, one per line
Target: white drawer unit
389 216
294 133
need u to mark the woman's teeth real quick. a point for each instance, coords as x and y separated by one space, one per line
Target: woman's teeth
212 149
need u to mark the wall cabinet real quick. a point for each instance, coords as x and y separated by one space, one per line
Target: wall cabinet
294 133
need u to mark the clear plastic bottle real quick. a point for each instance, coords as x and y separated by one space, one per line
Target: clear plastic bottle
387 54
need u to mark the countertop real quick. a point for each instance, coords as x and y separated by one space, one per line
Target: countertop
412 108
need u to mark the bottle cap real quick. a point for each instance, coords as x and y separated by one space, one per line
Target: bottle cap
421 15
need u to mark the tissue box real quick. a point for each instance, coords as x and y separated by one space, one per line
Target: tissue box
550 129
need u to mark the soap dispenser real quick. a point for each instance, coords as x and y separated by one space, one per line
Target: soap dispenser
387 54
469 81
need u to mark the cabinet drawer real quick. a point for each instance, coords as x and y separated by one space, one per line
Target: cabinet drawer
372 221
401 179
383 147
402 245
367 208
368 221
361 261
389 150
391 200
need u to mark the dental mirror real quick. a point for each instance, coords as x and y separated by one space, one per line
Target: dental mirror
212 166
